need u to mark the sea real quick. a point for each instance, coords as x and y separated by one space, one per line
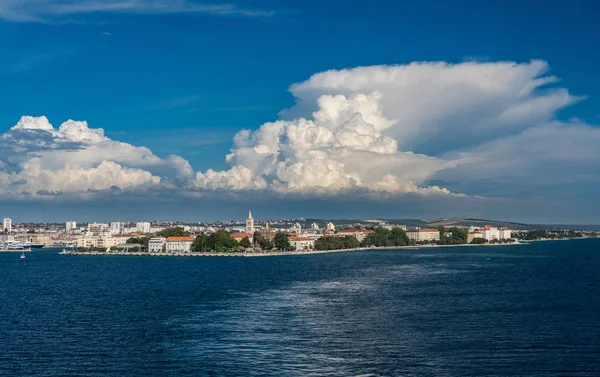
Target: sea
530 310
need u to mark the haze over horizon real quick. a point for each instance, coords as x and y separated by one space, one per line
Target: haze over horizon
193 111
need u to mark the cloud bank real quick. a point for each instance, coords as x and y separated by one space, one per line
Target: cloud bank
428 130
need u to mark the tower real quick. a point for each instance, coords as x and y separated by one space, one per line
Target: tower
7 225
250 223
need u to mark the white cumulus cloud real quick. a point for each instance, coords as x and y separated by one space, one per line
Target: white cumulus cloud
37 159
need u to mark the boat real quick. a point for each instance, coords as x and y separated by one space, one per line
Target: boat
22 255
13 245
33 245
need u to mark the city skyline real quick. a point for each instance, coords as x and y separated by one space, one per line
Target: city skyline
223 108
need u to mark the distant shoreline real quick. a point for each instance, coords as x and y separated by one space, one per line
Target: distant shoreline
278 253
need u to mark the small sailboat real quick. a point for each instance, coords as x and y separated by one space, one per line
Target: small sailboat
22 255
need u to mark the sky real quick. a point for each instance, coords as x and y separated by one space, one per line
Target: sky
195 110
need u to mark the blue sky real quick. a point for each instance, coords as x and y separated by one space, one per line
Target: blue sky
182 81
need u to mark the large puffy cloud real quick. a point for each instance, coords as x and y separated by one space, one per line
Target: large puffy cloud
340 148
478 128
438 107
36 159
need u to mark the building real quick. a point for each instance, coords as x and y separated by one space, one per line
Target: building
472 235
157 244
142 227
98 228
250 223
359 234
70 226
302 243
7 224
420 235
41 239
179 244
296 228
315 227
492 233
123 237
330 228
240 236
96 242
116 227
505 233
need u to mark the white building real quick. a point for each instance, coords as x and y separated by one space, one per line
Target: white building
315 227
302 243
70 226
116 227
330 227
7 224
97 228
250 223
423 234
143 227
157 244
179 244
505 233
359 234
492 233
296 228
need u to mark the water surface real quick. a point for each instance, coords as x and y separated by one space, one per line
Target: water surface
529 310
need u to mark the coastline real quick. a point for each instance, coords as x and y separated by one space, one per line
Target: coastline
275 253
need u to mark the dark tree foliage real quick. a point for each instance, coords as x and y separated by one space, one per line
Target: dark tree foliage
458 236
173 232
143 241
336 243
540 234
282 241
220 241
479 241
245 242
382 237
262 242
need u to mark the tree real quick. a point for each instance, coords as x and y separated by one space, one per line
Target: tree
382 237
336 243
221 241
282 242
142 241
262 242
479 241
245 242
399 237
200 244
173 232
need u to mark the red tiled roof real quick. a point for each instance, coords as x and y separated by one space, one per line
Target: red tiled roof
300 239
180 238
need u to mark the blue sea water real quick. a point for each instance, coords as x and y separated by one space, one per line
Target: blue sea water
530 310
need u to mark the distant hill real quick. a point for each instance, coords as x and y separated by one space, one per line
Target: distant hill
508 224
446 223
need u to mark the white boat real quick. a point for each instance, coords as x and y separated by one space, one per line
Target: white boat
22 255
12 245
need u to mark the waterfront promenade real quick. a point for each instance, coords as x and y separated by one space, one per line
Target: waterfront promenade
270 253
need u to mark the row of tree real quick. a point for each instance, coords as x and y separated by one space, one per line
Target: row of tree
545 234
336 243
